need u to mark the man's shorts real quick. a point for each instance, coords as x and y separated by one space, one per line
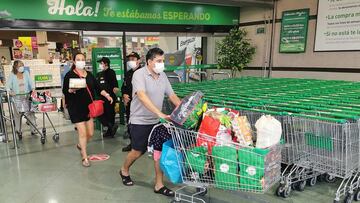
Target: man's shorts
139 136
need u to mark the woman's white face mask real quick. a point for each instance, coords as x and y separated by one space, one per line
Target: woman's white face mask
80 64
21 69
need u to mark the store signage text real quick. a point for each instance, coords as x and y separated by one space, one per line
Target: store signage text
59 7
120 11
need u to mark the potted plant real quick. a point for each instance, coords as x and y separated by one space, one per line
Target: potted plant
235 51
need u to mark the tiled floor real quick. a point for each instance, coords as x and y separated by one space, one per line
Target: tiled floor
52 173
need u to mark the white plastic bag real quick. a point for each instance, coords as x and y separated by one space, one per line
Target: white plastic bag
269 132
223 137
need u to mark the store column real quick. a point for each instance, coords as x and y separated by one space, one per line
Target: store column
42 45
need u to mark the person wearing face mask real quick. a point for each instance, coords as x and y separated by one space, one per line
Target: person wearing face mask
150 85
133 64
77 101
20 82
107 79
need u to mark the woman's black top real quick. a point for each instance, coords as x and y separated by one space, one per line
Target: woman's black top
77 103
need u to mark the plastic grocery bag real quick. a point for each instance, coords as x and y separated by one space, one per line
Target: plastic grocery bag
223 137
269 132
209 126
169 162
189 112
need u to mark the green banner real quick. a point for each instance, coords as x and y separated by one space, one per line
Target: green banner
43 78
119 11
294 29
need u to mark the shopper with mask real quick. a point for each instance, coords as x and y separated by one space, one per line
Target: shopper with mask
78 100
107 79
150 84
133 64
20 82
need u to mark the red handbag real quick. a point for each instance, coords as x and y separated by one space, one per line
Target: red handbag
96 108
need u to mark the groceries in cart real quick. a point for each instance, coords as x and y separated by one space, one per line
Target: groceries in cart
226 153
188 114
42 102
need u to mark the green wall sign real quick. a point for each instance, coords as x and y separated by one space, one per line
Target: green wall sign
43 78
294 29
115 56
119 11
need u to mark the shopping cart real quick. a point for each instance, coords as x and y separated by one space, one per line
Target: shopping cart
23 104
330 146
228 167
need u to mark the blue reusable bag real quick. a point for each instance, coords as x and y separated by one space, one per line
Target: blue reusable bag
169 163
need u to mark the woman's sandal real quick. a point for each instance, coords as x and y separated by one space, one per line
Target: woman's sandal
165 191
85 162
126 179
78 147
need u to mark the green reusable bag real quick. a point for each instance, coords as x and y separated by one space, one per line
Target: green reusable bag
196 159
252 168
226 167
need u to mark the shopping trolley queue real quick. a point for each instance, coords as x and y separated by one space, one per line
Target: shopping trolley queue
25 106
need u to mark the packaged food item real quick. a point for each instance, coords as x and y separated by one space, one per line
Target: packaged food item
242 130
189 113
77 83
209 126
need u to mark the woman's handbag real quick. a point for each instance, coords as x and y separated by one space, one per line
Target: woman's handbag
96 108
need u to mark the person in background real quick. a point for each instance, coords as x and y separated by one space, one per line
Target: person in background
20 82
133 64
77 101
150 84
108 82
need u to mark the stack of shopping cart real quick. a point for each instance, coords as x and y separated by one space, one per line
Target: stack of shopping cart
320 122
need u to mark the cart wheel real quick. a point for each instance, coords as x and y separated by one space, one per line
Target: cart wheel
286 192
279 191
321 178
19 134
349 198
330 178
203 193
42 140
300 186
312 181
56 137
357 195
